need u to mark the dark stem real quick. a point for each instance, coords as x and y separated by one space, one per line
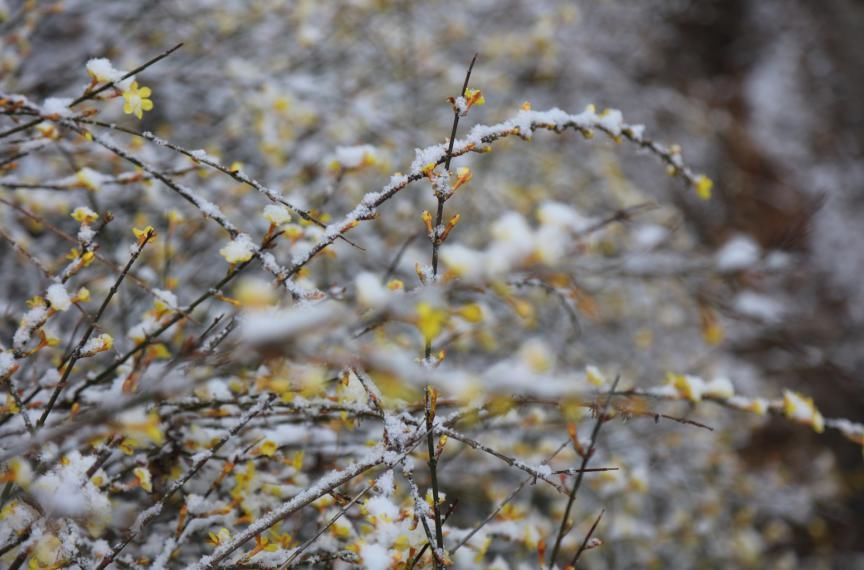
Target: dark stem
439 216
76 354
584 544
562 530
433 473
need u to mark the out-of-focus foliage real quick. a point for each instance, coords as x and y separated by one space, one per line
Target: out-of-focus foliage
244 280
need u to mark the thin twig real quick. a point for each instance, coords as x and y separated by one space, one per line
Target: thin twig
76 354
91 94
433 471
584 544
323 529
562 531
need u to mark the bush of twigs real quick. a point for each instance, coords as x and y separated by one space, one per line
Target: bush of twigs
201 370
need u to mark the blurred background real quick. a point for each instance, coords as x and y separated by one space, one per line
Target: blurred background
764 97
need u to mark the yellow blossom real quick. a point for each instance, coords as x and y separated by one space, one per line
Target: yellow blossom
84 215
142 474
89 179
277 215
473 97
473 313
82 296
141 235
703 187
689 387
223 536
267 448
137 100
801 409
593 374
430 320
463 176
238 250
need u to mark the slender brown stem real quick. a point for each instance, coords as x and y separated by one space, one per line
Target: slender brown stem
439 214
433 471
562 530
584 544
76 354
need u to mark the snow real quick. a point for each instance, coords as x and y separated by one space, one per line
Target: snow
201 154
103 71
719 387
284 324
239 249
90 179
67 492
738 253
429 155
58 297
86 234
97 344
612 121
375 557
167 297
31 320
759 306
355 156
563 215
57 106
380 506
7 363
370 292
648 236
277 214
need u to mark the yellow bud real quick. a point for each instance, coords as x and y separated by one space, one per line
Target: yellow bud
142 235
703 187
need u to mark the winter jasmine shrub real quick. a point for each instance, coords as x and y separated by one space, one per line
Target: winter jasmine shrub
334 354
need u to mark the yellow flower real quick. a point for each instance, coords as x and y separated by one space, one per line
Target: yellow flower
268 448
703 187
137 100
473 97
142 474
463 176
240 249
801 409
277 215
84 215
430 320
89 179
142 234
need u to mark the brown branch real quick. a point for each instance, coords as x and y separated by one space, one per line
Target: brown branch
562 531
